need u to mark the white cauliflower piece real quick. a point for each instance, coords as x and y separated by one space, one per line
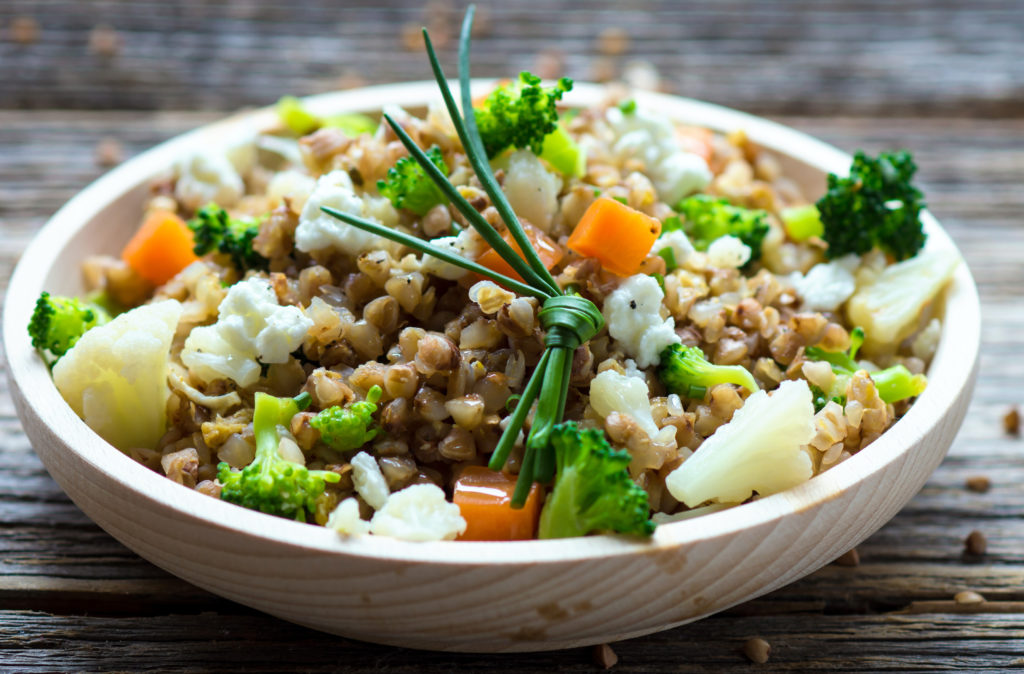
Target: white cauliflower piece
345 519
293 185
651 138
889 307
761 449
531 189
467 244
419 513
319 231
632 313
206 177
251 327
826 285
614 392
728 252
678 242
115 377
369 481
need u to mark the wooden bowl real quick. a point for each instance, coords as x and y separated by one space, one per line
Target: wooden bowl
521 596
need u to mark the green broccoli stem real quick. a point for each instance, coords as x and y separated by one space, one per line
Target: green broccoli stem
897 383
558 518
269 413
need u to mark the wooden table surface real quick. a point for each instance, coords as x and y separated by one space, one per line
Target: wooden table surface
943 79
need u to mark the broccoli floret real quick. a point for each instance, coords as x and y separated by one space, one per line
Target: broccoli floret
708 219
520 114
593 490
408 186
349 427
214 230
270 483
893 383
876 206
57 322
684 371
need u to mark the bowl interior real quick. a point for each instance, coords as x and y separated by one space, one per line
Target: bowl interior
102 217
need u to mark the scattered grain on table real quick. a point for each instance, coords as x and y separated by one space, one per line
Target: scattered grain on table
603 69
968 597
849 558
604 656
350 79
24 30
757 650
549 64
1011 421
975 544
108 152
104 41
979 483
411 37
613 41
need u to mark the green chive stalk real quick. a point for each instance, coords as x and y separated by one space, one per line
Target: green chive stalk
568 319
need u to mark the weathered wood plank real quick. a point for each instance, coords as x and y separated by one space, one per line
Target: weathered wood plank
922 57
31 641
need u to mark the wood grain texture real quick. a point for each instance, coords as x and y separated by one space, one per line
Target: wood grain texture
856 75
923 57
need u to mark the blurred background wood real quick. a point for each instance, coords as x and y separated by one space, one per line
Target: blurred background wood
84 84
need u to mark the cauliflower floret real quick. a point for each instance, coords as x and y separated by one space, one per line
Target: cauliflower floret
319 231
614 392
651 138
294 185
761 449
251 327
419 513
115 376
369 481
467 244
345 519
632 313
531 189
827 285
206 177
678 242
728 252
888 309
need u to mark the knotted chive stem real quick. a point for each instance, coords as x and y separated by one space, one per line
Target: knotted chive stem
568 319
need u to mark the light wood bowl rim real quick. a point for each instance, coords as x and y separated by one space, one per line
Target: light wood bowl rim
951 369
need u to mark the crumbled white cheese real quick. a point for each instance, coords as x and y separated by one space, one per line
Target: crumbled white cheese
418 513
613 392
827 285
345 519
207 177
252 328
728 252
651 138
319 231
678 242
531 189
467 244
633 315
369 481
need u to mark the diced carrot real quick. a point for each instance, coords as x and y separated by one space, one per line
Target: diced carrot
161 247
549 252
484 498
618 236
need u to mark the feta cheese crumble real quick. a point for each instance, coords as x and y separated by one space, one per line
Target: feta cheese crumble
252 328
319 231
651 138
418 513
728 252
633 315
